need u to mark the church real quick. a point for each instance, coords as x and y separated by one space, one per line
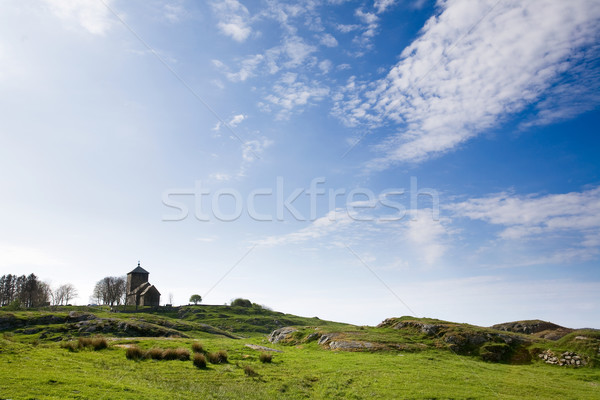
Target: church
139 291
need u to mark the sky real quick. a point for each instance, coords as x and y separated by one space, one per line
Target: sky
351 160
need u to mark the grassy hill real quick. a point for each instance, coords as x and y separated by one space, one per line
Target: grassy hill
41 357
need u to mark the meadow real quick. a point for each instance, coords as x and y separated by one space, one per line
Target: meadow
34 368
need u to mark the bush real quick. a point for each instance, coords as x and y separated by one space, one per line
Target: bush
249 371
265 357
84 342
197 347
99 343
176 354
183 354
70 345
220 357
154 353
239 302
134 353
199 360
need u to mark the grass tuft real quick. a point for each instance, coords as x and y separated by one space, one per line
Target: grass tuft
70 345
219 357
134 353
197 347
154 353
176 354
199 360
265 357
99 343
249 371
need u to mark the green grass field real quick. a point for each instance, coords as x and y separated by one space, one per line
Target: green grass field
33 368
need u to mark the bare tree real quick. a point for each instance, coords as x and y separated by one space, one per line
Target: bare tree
171 298
110 290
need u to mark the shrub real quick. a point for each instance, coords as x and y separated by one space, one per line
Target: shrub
199 360
84 342
169 354
183 354
249 371
176 354
70 345
197 347
220 357
239 302
154 353
134 353
265 357
99 343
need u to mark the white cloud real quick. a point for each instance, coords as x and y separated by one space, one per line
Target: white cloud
571 218
290 93
220 176
325 66
347 28
247 70
93 16
333 222
427 235
233 19
236 120
297 51
173 12
328 40
233 122
465 74
382 5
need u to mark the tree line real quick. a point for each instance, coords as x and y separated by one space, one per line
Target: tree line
28 291
111 290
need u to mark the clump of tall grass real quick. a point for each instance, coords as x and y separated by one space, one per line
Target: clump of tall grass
265 357
249 371
176 354
70 345
95 343
154 353
219 357
199 360
197 347
99 343
134 353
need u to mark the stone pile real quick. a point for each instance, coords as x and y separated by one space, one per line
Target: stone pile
568 358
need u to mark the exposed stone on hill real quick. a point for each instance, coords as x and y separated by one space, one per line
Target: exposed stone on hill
262 348
542 329
281 334
568 358
350 345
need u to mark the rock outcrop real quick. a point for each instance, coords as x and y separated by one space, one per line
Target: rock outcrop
281 334
568 358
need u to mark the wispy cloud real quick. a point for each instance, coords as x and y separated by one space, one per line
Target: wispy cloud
290 93
233 19
382 5
474 64
328 40
233 122
572 219
93 16
333 222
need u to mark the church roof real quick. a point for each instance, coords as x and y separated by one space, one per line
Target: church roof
139 270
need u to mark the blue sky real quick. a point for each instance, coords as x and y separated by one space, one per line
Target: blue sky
451 148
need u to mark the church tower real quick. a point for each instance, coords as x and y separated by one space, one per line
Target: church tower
136 278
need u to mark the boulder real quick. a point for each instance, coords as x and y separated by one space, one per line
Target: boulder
281 334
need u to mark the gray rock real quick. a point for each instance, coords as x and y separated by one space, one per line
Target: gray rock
281 334
349 345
